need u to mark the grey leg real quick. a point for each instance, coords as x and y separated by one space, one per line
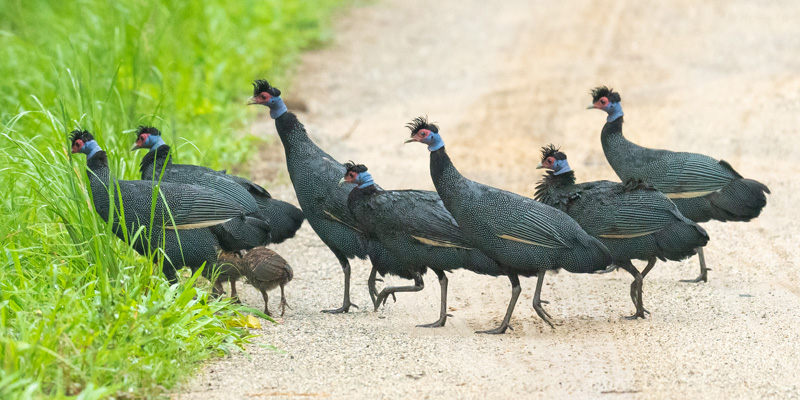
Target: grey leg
515 291
443 308
636 287
650 264
703 277
384 294
346 304
537 301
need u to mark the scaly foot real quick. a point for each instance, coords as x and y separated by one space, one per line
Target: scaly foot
343 309
437 324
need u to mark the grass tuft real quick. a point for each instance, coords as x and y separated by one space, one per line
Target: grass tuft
81 314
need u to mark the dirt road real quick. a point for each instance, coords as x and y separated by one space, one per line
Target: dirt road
718 77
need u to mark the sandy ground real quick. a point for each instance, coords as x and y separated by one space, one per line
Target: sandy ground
718 77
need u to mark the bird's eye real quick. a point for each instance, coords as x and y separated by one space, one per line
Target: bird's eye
604 101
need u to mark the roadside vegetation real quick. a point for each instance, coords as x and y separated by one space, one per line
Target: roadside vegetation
81 314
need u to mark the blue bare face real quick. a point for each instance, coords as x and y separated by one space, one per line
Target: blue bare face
89 148
432 139
613 109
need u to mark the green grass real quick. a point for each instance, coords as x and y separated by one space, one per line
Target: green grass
81 314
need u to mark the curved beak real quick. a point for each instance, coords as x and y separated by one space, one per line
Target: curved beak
409 141
591 106
135 147
251 101
539 166
341 181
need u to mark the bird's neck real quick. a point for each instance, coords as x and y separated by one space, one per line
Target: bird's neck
277 110
292 133
614 111
616 147
359 194
365 180
562 167
157 142
551 184
99 174
91 148
444 174
155 161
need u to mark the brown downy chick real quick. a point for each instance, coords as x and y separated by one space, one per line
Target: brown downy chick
264 269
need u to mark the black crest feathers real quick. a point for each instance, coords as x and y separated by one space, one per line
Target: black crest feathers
555 152
421 123
604 91
261 85
147 129
81 134
353 167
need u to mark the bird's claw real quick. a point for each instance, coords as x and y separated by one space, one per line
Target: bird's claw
701 278
607 270
496 331
543 314
285 305
343 309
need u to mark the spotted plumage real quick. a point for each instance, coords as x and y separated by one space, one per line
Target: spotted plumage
282 218
522 235
415 227
315 177
635 222
701 187
181 220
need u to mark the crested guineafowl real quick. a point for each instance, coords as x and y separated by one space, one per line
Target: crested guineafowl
633 221
315 176
415 226
179 223
702 187
523 236
284 219
264 269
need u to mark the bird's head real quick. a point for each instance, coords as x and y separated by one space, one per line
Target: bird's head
147 137
264 93
357 173
267 95
425 132
607 100
83 142
554 160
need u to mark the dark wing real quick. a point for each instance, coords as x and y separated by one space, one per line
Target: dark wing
687 175
531 222
419 213
177 206
608 210
254 189
210 179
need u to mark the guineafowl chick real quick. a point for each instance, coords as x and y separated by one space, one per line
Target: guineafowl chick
264 269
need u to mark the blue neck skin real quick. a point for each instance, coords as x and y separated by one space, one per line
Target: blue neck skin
276 107
154 142
434 142
560 167
364 180
614 111
90 148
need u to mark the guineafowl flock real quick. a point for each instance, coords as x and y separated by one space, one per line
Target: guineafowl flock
198 217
